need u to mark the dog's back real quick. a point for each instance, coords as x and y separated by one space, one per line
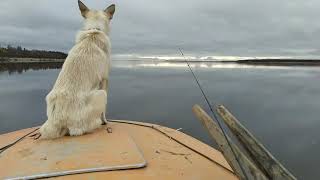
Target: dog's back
76 102
86 63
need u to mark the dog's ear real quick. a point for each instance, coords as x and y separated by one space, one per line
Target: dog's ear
83 8
110 10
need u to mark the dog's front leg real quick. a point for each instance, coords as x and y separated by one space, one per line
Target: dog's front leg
104 86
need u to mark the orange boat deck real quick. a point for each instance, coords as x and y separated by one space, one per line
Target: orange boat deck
161 152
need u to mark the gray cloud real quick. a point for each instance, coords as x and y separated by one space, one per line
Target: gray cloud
202 27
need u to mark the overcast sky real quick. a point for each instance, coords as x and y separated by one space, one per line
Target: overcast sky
149 27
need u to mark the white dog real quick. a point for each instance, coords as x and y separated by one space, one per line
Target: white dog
77 103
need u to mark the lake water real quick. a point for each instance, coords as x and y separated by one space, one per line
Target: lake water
280 105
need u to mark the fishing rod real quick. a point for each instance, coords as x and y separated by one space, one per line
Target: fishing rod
213 113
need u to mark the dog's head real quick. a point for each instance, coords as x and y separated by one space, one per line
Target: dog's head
97 19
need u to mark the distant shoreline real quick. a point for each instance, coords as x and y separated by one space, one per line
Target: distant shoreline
282 62
263 62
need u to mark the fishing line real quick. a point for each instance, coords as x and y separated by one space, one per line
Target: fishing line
213 113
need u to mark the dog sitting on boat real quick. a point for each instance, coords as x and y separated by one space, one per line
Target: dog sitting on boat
77 103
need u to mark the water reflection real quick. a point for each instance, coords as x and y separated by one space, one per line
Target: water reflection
23 67
227 65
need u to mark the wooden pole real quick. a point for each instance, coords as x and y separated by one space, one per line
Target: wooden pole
258 153
251 171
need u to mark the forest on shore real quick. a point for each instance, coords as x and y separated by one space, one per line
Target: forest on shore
20 52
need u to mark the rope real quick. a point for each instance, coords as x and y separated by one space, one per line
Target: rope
213 113
158 129
15 142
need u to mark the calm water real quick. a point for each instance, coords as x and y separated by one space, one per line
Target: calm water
280 105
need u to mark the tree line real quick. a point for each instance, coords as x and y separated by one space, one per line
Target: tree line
19 52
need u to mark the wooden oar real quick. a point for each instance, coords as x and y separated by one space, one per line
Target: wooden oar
258 153
251 171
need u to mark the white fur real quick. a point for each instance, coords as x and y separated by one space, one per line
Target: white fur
76 102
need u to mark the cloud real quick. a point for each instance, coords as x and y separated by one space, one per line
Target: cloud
148 28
